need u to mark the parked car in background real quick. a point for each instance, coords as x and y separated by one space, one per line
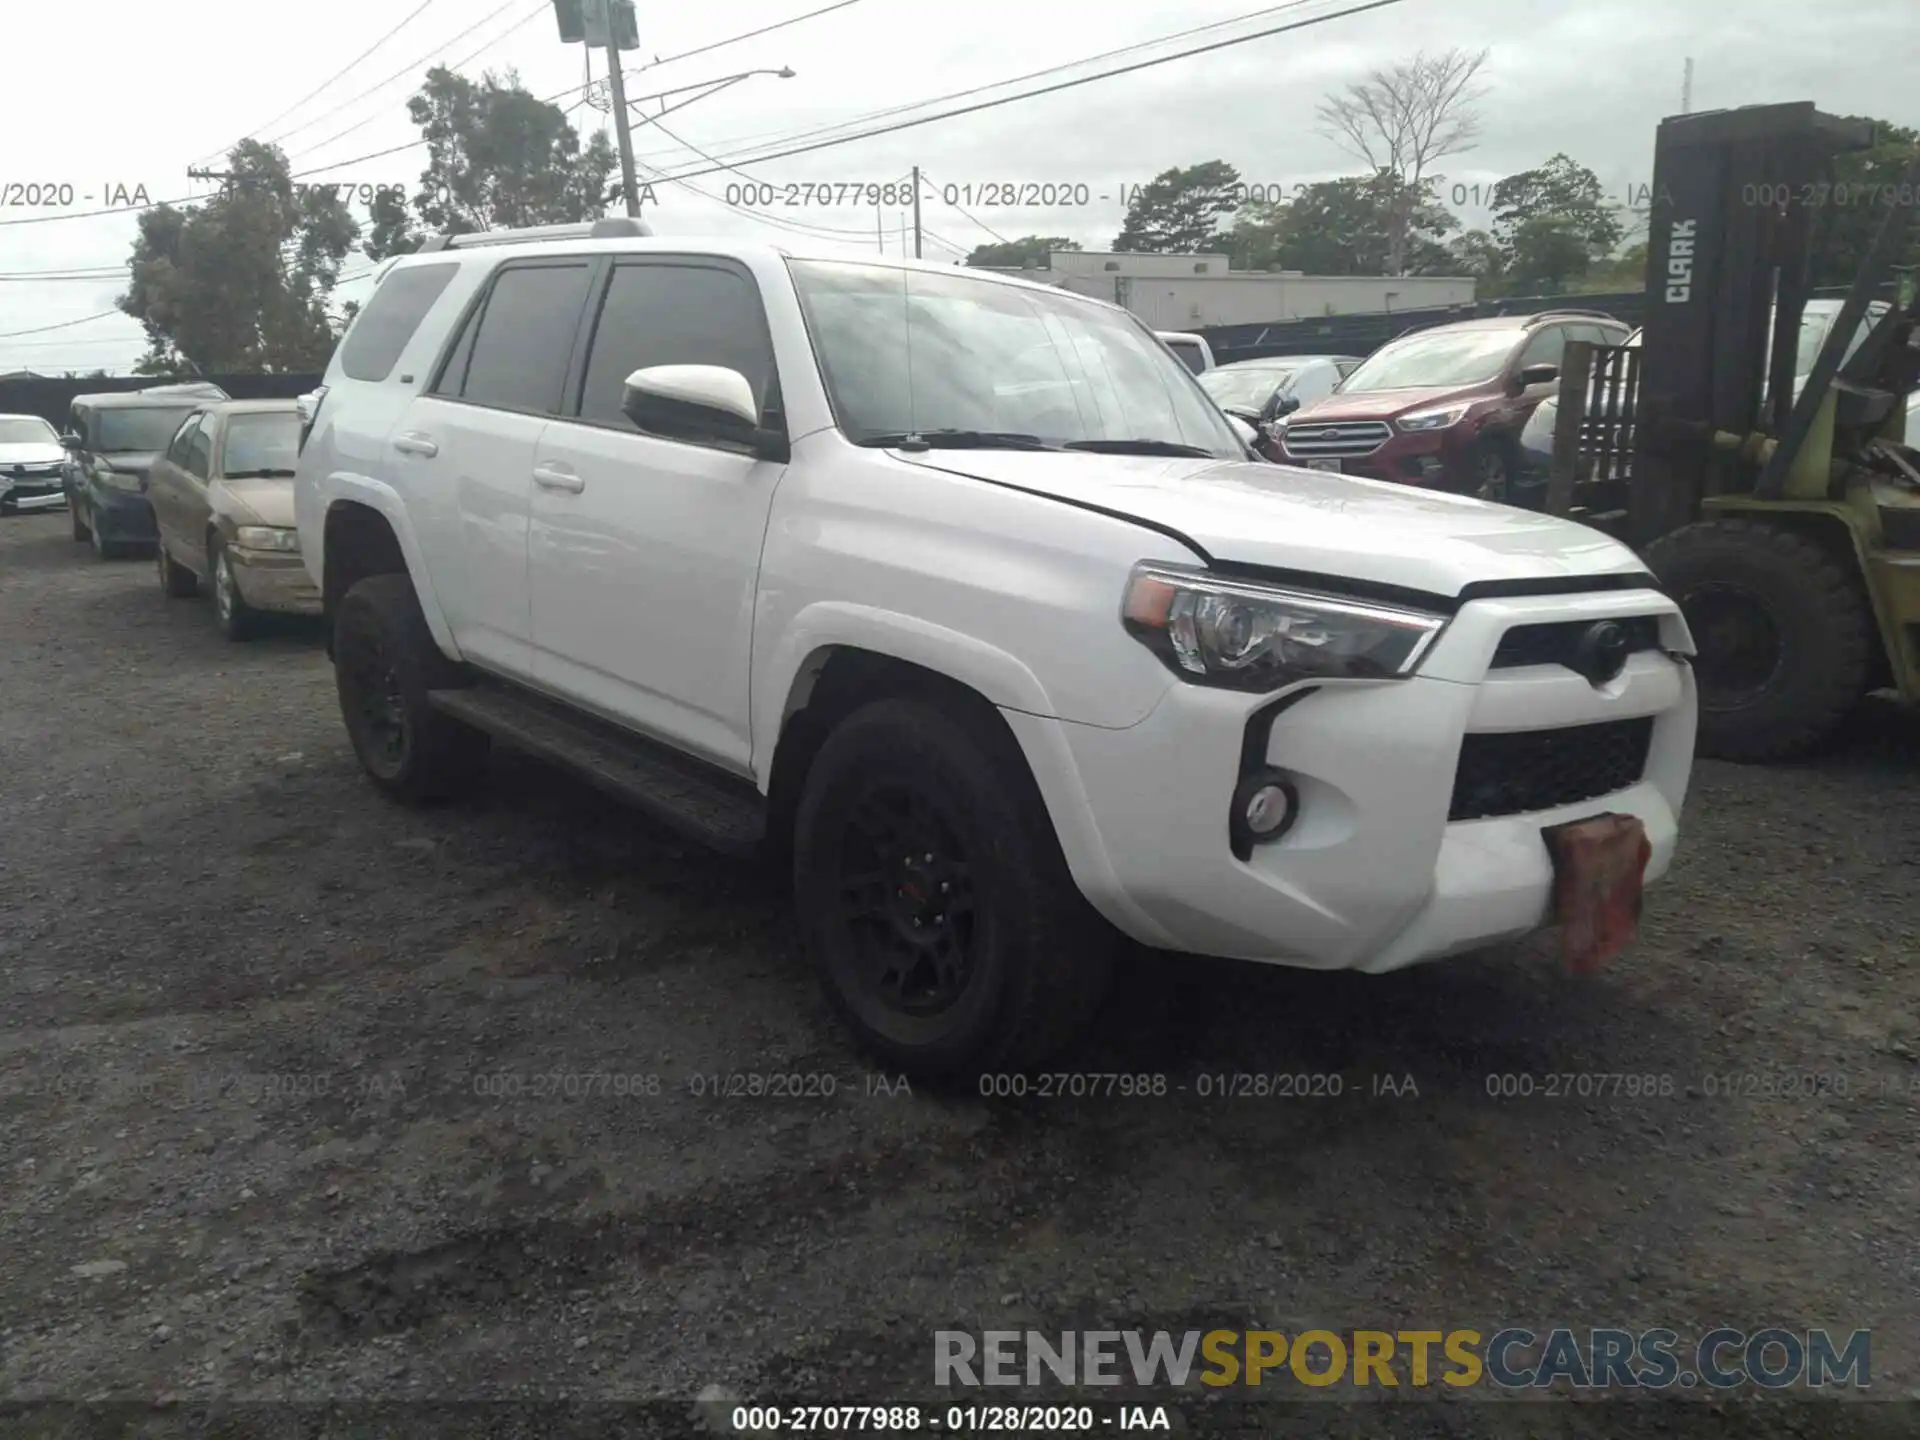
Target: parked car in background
774 546
1193 350
1443 407
31 459
222 497
1261 391
112 441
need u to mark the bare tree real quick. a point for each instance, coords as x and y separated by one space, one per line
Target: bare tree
1400 121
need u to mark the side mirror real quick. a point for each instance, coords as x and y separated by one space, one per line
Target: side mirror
700 402
1283 405
70 441
1539 375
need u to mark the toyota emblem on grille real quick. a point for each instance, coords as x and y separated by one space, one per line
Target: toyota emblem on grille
1601 653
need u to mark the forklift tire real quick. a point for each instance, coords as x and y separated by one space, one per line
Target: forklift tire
1783 632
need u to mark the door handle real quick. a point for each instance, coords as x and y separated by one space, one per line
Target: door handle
550 479
415 445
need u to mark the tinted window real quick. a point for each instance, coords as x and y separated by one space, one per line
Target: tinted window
1189 353
381 331
673 315
261 444
133 430
1593 334
200 451
177 449
1545 348
526 338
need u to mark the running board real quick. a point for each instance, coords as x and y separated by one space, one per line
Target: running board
699 801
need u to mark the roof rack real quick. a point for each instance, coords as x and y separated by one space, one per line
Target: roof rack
1568 310
612 227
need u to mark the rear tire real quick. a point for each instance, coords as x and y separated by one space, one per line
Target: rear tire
384 663
176 581
1784 633
931 890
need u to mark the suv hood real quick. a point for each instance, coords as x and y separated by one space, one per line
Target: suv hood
1375 404
31 452
1305 520
130 462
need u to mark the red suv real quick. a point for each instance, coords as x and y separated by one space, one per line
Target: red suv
1442 407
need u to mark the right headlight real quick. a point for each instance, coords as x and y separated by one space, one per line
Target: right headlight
1245 635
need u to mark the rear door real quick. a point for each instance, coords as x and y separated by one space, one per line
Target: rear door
465 450
645 550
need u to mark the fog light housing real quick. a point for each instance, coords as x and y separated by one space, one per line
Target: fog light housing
1265 805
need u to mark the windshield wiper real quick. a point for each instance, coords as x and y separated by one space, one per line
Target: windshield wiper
954 440
1141 447
257 475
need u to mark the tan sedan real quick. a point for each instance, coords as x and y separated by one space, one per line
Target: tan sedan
222 496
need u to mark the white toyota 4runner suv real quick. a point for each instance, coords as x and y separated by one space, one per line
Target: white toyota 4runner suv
960 592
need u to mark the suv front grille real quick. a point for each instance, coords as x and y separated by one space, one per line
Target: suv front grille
1336 440
1556 642
1512 773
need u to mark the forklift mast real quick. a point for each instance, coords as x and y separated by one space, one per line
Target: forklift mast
1735 197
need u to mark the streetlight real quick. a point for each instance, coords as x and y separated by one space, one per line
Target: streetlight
706 88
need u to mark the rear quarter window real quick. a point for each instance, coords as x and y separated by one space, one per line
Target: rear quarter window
381 331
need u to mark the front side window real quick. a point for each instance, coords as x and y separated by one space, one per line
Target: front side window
182 438
1446 360
908 352
263 445
26 430
381 331
200 451
1548 347
1249 389
525 339
136 428
673 314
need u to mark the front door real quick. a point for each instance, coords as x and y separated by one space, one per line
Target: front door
644 552
165 484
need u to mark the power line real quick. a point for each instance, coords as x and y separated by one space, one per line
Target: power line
968 214
749 35
63 325
408 70
343 70
1074 83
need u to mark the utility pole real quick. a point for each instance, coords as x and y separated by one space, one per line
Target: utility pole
1686 88
916 212
609 25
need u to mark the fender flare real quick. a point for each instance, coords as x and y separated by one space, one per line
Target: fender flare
1002 679
345 487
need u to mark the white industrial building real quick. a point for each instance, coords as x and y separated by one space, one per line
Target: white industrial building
1192 292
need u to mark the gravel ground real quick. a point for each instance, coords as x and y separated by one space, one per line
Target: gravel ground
307 1097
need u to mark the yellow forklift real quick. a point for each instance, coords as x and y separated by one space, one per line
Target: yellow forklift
1775 499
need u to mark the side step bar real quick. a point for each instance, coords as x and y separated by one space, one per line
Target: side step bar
704 804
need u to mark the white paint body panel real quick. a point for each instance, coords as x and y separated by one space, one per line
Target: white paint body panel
691 593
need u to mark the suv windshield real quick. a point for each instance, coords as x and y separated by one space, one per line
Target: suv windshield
1435 359
262 444
908 352
1248 389
26 430
121 431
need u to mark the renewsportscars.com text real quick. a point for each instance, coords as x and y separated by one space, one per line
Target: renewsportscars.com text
1510 1358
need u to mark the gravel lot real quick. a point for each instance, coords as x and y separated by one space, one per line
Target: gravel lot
199 893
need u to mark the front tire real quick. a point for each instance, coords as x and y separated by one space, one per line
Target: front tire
385 662
82 532
931 890
1783 632
237 620
1492 478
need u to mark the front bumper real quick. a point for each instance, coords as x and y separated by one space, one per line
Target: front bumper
32 492
1438 459
1375 875
120 516
274 580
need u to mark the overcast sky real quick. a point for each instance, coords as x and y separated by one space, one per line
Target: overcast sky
125 93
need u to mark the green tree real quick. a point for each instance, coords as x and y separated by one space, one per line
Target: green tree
498 157
1845 226
1402 121
1018 254
241 281
1179 212
1553 224
1344 227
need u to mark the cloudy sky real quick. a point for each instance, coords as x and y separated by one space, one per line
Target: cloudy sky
130 94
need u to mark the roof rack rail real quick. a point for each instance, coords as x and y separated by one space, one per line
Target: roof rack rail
612 227
1570 310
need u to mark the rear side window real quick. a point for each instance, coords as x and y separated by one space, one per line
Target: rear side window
524 340
674 314
382 330
1188 353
